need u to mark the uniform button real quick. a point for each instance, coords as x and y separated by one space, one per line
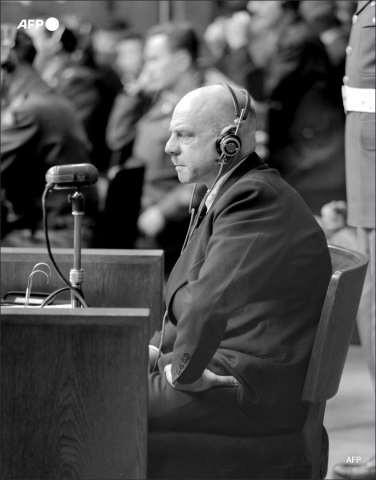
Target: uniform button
346 80
348 50
373 19
354 19
373 4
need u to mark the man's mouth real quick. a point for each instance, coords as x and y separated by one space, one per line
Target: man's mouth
177 164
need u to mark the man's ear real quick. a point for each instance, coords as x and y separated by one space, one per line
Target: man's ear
183 60
228 129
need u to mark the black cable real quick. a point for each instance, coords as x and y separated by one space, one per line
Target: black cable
192 212
53 295
75 292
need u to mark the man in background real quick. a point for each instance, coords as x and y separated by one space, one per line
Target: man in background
274 54
170 71
60 63
39 129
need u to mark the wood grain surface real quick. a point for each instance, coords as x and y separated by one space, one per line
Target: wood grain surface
112 278
73 393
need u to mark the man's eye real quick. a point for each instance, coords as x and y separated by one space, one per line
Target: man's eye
184 136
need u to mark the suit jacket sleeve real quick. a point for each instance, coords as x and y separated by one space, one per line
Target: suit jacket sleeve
247 239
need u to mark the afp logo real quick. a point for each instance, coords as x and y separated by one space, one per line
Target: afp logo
51 24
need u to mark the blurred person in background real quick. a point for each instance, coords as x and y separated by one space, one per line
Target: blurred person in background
103 47
129 58
322 18
274 54
359 103
123 185
39 129
105 41
60 61
170 71
131 103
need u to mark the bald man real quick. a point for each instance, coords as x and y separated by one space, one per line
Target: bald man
245 297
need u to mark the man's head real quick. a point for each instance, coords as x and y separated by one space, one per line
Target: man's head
129 60
21 54
267 15
170 52
198 120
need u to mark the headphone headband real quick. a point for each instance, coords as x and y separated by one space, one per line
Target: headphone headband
236 103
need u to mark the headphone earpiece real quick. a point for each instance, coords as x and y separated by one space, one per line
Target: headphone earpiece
228 144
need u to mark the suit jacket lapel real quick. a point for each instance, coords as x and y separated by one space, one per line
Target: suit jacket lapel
179 274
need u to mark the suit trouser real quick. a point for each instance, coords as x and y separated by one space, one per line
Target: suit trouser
214 411
366 312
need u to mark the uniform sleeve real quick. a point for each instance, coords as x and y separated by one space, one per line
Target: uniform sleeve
247 240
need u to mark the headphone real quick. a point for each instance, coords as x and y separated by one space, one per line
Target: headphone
229 143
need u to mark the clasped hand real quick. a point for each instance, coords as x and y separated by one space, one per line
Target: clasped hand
207 380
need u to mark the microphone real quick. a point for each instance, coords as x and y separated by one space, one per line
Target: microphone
72 176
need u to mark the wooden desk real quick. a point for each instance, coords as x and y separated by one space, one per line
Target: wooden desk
73 393
112 278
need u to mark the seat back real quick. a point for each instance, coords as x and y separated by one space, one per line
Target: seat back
336 325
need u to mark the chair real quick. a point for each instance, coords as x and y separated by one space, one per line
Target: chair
174 455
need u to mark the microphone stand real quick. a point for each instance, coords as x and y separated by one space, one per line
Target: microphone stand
76 274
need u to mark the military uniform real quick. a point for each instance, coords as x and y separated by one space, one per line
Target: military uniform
39 129
359 103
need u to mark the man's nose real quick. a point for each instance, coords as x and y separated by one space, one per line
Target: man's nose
172 147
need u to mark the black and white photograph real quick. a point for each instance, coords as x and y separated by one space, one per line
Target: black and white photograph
187 240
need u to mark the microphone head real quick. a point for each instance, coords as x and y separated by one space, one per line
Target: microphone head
72 176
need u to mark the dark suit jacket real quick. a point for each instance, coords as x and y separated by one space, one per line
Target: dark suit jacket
247 293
